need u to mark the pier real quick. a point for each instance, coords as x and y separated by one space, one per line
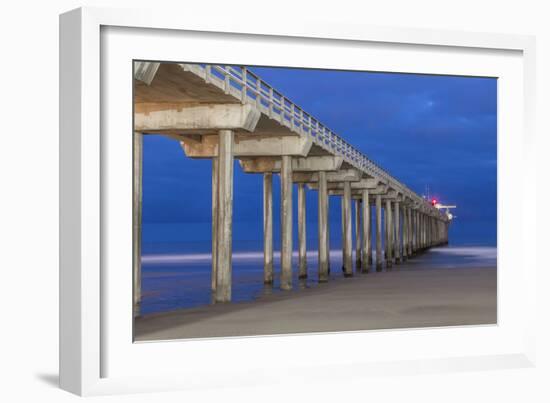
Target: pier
227 113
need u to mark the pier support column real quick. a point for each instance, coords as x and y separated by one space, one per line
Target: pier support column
365 234
323 227
410 230
369 231
215 195
422 233
137 213
328 232
358 234
302 250
343 228
348 268
389 235
405 251
225 217
268 228
386 232
416 236
413 232
286 222
397 236
423 229
378 233
430 231
419 231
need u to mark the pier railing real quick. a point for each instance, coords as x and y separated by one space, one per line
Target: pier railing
243 84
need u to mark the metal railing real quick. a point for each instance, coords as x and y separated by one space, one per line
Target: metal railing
243 84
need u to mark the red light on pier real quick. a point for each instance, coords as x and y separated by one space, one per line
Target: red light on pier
434 202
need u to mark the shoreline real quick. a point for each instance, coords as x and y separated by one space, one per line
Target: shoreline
409 296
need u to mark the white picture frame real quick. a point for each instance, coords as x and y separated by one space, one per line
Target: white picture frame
93 339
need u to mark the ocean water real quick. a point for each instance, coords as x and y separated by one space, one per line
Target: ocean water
177 275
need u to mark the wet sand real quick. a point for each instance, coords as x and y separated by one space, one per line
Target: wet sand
407 296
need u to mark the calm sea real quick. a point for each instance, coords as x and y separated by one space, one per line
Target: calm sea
177 275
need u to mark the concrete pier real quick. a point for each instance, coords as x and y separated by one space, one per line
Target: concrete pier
302 259
268 228
348 268
219 113
378 233
323 227
225 217
286 222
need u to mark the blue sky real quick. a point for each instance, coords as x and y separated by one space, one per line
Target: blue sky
436 131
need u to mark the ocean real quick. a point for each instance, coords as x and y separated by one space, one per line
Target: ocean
177 275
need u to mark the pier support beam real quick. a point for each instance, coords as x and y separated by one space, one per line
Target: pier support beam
389 235
397 236
268 228
137 213
215 196
323 227
302 260
225 217
365 232
286 222
378 233
347 259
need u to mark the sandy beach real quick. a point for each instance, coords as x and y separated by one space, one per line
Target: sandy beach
411 295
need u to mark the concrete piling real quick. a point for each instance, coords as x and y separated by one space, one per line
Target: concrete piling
405 231
302 259
268 228
348 268
137 218
411 233
323 252
215 195
365 231
225 217
358 234
390 233
369 232
397 236
378 233
286 222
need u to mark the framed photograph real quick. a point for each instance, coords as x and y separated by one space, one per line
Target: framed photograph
317 197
